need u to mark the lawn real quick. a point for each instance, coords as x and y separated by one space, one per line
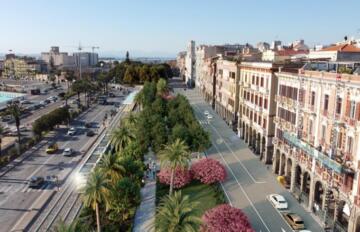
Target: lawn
208 196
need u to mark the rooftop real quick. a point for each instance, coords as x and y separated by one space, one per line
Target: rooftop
342 48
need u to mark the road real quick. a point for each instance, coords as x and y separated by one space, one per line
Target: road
249 181
15 195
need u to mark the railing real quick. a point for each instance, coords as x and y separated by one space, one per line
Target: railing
325 160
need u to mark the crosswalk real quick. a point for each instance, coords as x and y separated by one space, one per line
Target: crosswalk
22 188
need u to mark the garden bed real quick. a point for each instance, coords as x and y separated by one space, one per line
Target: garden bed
208 196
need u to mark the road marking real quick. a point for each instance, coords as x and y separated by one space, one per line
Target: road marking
232 152
241 188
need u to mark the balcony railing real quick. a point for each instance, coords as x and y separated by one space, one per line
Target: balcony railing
309 150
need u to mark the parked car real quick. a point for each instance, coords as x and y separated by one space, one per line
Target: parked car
52 148
68 152
25 102
278 201
90 133
36 182
209 116
88 125
294 221
206 112
71 131
52 99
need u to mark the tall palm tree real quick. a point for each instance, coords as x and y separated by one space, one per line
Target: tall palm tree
110 165
14 109
63 227
176 213
69 76
121 137
174 155
1 132
96 192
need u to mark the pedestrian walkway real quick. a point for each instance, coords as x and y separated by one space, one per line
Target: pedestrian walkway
145 214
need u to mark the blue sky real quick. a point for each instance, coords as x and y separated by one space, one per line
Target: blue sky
163 27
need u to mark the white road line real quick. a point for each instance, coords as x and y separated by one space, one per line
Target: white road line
232 152
241 188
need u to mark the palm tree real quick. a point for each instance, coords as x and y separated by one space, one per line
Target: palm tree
121 137
1 132
69 76
174 155
14 109
95 192
176 213
110 165
63 227
130 120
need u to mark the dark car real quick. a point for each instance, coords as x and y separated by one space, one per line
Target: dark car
36 182
88 125
90 133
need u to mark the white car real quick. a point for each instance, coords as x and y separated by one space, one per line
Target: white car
68 152
209 116
278 201
71 131
206 112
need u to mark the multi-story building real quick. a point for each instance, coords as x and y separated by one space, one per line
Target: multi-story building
86 59
21 67
56 59
346 51
317 143
190 61
227 90
257 107
202 53
180 63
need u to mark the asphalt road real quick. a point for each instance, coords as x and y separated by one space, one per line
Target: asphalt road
249 181
15 195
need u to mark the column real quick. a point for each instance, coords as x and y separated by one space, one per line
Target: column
312 193
292 180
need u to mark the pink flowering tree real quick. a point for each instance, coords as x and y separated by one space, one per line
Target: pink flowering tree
225 218
182 177
208 171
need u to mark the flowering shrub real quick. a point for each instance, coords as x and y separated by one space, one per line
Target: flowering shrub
182 177
208 171
225 218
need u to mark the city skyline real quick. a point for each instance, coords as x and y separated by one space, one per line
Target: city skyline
163 29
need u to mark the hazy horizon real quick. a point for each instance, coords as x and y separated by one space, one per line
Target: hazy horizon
163 28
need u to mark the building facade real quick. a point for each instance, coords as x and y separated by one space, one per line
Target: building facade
202 53
180 63
56 59
190 62
257 107
317 143
21 67
86 59
226 90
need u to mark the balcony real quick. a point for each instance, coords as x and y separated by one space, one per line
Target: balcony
319 156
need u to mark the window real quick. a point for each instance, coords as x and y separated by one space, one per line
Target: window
352 109
262 82
260 101
220 71
323 132
252 98
256 99
326 102
338 105
253 80
265 103
232 75
295 92
264 123
257 80
255 117
313 98
349 144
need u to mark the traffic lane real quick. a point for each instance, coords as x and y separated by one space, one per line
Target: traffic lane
270 185
14 207
29 166
247 200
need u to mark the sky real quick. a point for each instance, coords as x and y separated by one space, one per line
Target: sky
163 27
